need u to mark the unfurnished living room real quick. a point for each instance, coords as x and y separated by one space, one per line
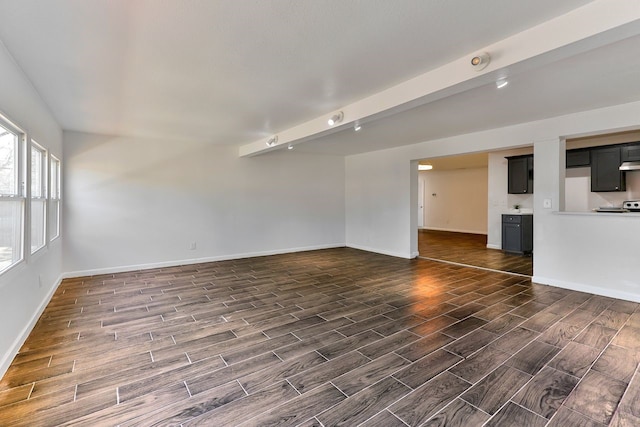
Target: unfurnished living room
223 213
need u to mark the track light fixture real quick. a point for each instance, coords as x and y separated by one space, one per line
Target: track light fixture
272 141
336 118
480 61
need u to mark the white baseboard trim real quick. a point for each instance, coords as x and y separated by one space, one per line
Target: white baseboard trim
454 230
383 252
11 353
174 263
580 287
492 246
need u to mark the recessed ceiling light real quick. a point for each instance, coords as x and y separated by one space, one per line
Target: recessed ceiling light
336 118
502 83
425 167
357 126
289 147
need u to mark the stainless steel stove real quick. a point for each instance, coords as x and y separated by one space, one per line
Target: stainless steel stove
632 205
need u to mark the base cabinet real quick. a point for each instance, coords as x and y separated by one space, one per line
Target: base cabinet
517 234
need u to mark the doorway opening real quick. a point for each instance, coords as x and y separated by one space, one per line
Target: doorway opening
460 203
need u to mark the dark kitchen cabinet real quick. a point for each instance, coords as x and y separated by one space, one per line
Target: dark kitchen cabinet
631 153
605 169
578 158
517 234
520 174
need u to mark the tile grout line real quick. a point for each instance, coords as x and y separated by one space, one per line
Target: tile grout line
591 367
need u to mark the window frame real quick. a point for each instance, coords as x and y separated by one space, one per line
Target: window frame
19 194
55 195
44 174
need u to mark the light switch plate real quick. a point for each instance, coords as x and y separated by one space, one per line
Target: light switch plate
546 203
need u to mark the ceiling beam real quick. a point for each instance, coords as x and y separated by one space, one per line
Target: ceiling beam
594 25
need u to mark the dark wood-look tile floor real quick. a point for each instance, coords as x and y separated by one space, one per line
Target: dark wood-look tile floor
325 338
470 249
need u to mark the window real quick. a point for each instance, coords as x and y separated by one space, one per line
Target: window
38 196
11 195
54 208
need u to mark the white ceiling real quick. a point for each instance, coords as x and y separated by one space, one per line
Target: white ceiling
232 72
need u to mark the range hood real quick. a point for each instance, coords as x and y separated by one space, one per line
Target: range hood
630 166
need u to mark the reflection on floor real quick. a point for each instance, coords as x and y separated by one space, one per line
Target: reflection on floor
470 249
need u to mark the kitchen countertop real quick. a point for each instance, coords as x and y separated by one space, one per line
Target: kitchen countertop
520 212
591 213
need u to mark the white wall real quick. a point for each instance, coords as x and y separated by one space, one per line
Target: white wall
26 288
589 251
380 214
455 200
132 202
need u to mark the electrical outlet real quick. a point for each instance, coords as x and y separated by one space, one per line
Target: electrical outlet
546 203
192 246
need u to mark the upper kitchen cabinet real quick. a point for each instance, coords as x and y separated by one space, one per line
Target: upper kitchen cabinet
631 153
605 169
578 158
520 174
